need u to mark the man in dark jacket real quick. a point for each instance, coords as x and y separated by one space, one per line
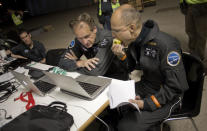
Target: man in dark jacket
29 49
95 44
159 56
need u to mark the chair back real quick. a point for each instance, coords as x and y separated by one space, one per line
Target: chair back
53 56
195 74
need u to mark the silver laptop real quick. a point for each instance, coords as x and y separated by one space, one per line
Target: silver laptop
41 86
85 87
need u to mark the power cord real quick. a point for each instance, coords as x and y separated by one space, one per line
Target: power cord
10 88
86 111
5 113
93 115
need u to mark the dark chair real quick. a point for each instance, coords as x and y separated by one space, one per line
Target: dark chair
53 56
191 103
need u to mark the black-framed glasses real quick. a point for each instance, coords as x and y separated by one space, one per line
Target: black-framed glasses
24 36
119 30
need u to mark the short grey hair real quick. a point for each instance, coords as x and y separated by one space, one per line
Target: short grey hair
84 17
130 15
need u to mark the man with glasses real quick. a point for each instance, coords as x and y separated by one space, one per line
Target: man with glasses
29 49
159 56
95 44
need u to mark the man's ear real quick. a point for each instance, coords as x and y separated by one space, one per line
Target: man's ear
30 35
94 29
132 29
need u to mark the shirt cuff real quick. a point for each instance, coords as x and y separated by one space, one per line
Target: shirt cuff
146 106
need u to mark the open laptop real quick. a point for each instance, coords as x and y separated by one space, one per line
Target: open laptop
41 86
85 87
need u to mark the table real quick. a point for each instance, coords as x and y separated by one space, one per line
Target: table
83 111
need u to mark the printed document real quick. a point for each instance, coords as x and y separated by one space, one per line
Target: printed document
120 93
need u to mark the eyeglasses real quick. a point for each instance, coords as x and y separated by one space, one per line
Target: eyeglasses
119 30
24 36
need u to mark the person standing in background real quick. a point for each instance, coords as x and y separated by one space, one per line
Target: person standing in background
16 9
195 12
105 10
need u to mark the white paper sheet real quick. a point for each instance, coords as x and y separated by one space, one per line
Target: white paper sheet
120 93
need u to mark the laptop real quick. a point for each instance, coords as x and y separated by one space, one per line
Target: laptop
85 87
42 86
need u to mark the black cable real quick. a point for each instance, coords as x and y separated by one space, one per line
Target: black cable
1 83
7 89
5 113
4 86
7 94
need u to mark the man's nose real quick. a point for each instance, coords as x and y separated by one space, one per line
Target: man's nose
85 41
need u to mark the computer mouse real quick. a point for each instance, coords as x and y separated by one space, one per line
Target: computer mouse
35 74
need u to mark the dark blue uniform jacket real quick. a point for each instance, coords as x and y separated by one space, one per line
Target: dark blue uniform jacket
109 65
159 56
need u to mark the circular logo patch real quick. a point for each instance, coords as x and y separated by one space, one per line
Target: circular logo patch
72 44
173 58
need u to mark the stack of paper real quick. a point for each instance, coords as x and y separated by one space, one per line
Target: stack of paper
120 92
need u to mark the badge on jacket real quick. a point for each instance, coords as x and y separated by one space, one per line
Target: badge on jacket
26 51
72 44
104 43
173 58
151 52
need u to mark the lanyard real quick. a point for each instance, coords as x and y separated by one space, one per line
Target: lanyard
30 101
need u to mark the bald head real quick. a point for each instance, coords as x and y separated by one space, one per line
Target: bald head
126 24
125 15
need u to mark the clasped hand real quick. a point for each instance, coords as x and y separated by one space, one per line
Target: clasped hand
89 63
71 55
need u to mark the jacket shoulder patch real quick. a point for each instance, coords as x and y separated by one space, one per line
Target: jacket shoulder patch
173 58
72 44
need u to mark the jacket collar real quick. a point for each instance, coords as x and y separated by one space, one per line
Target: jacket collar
149 31
98 36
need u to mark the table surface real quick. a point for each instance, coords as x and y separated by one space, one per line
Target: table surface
83 111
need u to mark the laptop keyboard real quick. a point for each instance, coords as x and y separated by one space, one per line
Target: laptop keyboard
43 86
89 88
